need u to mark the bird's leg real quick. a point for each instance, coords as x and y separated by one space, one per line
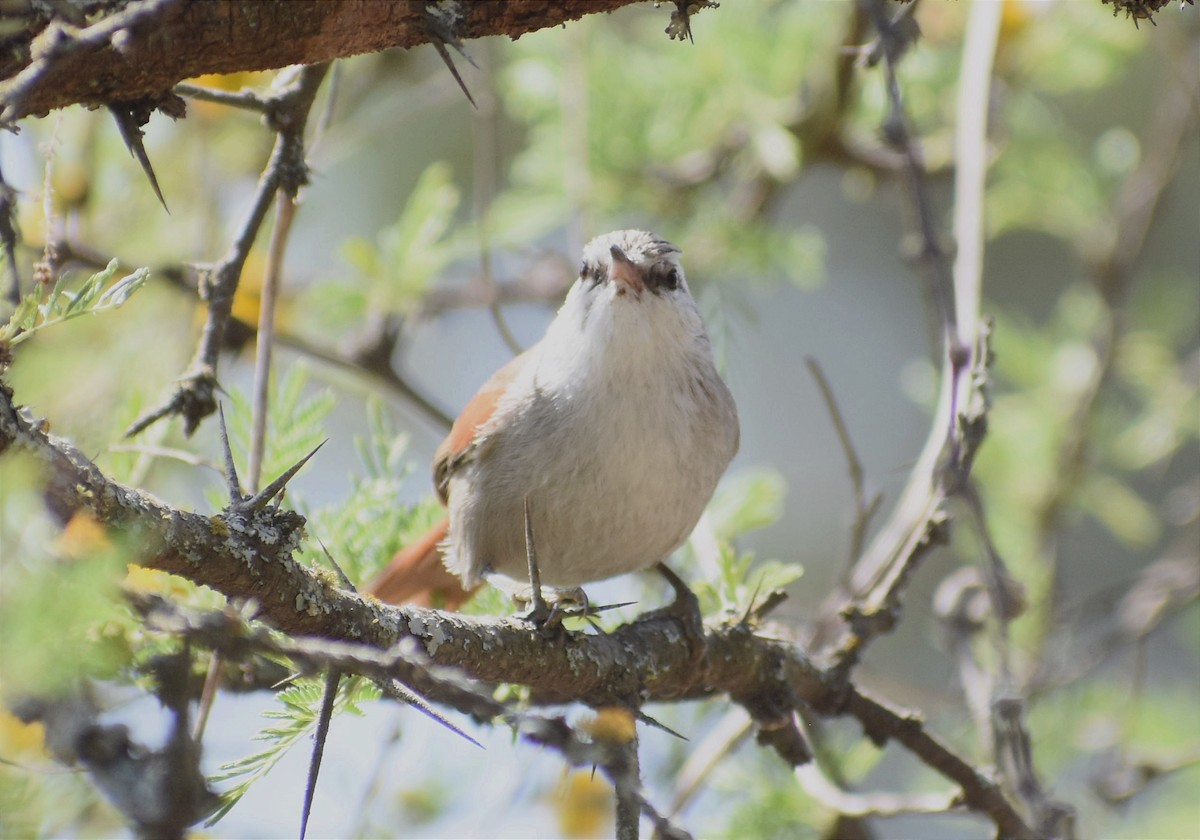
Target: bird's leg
548 605
539 613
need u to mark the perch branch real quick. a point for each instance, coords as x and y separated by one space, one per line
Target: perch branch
246 552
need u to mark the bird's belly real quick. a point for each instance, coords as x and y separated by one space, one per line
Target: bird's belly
593 516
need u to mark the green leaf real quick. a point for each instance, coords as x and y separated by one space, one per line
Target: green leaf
61 305
300 709
295 424
747 501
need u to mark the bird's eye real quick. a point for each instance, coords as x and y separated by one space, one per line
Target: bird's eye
592 273
663 276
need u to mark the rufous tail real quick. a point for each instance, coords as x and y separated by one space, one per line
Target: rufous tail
416 575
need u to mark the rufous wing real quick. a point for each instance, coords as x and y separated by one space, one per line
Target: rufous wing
416 574
464 435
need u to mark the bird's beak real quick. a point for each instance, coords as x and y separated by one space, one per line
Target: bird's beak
625 272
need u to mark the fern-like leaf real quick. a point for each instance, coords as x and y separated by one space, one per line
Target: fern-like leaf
297 720
95 295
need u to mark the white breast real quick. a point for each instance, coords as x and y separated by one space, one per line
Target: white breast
617 431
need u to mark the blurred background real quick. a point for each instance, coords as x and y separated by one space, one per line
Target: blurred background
447 235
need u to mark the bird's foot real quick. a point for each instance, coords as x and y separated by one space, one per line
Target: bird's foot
548 606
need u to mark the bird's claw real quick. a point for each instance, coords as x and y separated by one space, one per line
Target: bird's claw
548 607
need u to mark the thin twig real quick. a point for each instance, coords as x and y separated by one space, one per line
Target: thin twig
182 455
208 695
971 162
1116 785
721 741
194 399
272 279
386 376
863 510
979 793
628 804
247 99
821 788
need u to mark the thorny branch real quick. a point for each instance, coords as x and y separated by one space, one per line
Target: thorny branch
864 509
287 112
421 644
245 552
877 584
141 51
160 791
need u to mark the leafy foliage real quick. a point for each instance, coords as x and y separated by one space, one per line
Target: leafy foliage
94 295
373 522
741 504
604 125
294 424
300 706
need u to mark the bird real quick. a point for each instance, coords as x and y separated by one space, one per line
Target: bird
608 435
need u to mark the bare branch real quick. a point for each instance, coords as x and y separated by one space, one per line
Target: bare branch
285 211
142 51
863 510
285 170
979 792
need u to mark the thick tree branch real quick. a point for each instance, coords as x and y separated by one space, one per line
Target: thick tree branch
142 51
247 554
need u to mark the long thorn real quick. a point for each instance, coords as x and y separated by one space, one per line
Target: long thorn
314 764
441 33
449 62
262 497
403 692
231 476
131 134
265 337
646 719
342 576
